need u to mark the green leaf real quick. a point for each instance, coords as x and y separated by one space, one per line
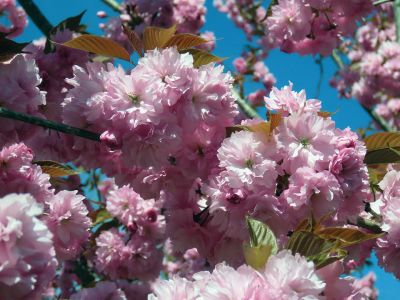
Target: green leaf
308 244
55 169
9 48
184 41
155 37
99 216
323 259
71 23
262 243
382 147
201 57
98 45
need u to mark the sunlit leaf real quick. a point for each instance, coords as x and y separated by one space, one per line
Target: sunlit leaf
201 57
55 169
346 236
382 147
256 257
155 37
99 216
134 40
263 127
262 243
326 258
275 119
308 244
98 45
184 41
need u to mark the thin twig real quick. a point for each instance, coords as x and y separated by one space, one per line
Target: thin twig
378 119
113 4
244 105
36 16
9 114
382 2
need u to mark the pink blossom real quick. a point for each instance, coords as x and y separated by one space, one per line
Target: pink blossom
290 20
19 79
19 175
68 221
16 16
120 255
244 156
27 255
306 140
175 288
292 277
286 101
240 65
135 212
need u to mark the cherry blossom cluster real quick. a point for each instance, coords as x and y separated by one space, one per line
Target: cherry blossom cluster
371 75
387 247
16 18
38 226
306 165
164 116
302 26
285 276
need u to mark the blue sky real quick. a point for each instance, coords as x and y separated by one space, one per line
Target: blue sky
302 71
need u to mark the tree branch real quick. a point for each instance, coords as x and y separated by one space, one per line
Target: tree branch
246 107
113 4
382 2
36 16
396 8
9 114
378 119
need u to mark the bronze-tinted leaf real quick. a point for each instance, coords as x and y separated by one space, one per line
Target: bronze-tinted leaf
155 37
346 236
275 120
184 41
324 114
55 169
381 148
98 45
201 57
134 40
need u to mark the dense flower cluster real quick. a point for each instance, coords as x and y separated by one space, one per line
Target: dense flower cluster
302 26
372 74
387 249
187 172
285 276
307 165
27 255
164 115
20 80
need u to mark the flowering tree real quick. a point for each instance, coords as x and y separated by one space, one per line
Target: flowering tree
161 180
